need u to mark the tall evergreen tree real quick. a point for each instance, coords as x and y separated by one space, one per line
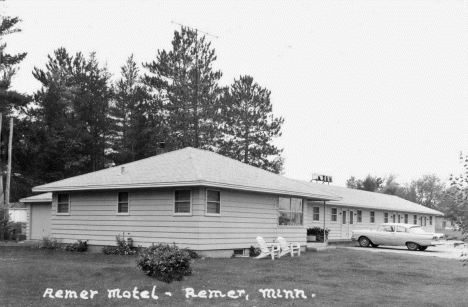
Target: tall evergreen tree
184 80
92 99
66 132
249 126
9 100
138 125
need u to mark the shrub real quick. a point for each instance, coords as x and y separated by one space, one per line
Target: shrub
49 243
319 232
79 246
6 226
254 251
193 254
165 262
124 247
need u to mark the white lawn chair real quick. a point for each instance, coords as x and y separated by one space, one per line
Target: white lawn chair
267 249
288 248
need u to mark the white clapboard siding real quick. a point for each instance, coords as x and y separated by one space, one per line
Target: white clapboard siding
260 219
340 231
244 216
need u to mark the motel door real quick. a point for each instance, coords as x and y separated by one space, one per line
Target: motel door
344 216
347 222
351 222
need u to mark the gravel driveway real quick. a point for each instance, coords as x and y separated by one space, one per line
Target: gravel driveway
447 250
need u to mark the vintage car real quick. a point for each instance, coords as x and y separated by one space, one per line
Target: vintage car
413 236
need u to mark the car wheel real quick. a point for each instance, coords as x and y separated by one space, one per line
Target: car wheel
364 241
412 246
374 245
422 248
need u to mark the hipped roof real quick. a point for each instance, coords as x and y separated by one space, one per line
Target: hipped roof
186 168
41 198
372 200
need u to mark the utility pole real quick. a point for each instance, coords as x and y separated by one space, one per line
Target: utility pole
2 195
10 144
197 77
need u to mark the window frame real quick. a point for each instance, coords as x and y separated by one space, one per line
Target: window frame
334 215
314 214
372 217
385 217
303 203
415 219
430 220
68 207
359 216
128 203
206 203
174 203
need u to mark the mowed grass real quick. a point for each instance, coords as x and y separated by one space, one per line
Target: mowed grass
337 277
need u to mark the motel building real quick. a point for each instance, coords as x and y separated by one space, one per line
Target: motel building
206 202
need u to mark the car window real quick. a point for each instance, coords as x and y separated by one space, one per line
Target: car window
386 228
416 229
400 229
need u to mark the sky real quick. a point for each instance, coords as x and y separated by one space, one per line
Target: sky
365 87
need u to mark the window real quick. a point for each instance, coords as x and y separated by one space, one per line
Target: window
386 228
406 218
213 202
122 203
416 229
400 229
334 214
351 217
290 211
63 204
316 214
385 217
415 219
372 217
359 216
430 220
182 201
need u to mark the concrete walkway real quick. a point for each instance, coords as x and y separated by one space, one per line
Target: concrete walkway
451 250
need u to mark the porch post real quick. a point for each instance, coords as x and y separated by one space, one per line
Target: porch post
325 238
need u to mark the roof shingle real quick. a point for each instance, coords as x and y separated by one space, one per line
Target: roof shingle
187 167
372 200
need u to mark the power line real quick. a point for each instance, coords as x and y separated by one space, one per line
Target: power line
194 29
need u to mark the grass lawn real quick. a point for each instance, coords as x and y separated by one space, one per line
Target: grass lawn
337 277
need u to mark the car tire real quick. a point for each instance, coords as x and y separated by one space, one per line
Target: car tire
422 248
412 246
364 241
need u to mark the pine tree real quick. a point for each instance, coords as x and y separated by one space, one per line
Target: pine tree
184 80
66 132
10 101
92 99
249 126
137 125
